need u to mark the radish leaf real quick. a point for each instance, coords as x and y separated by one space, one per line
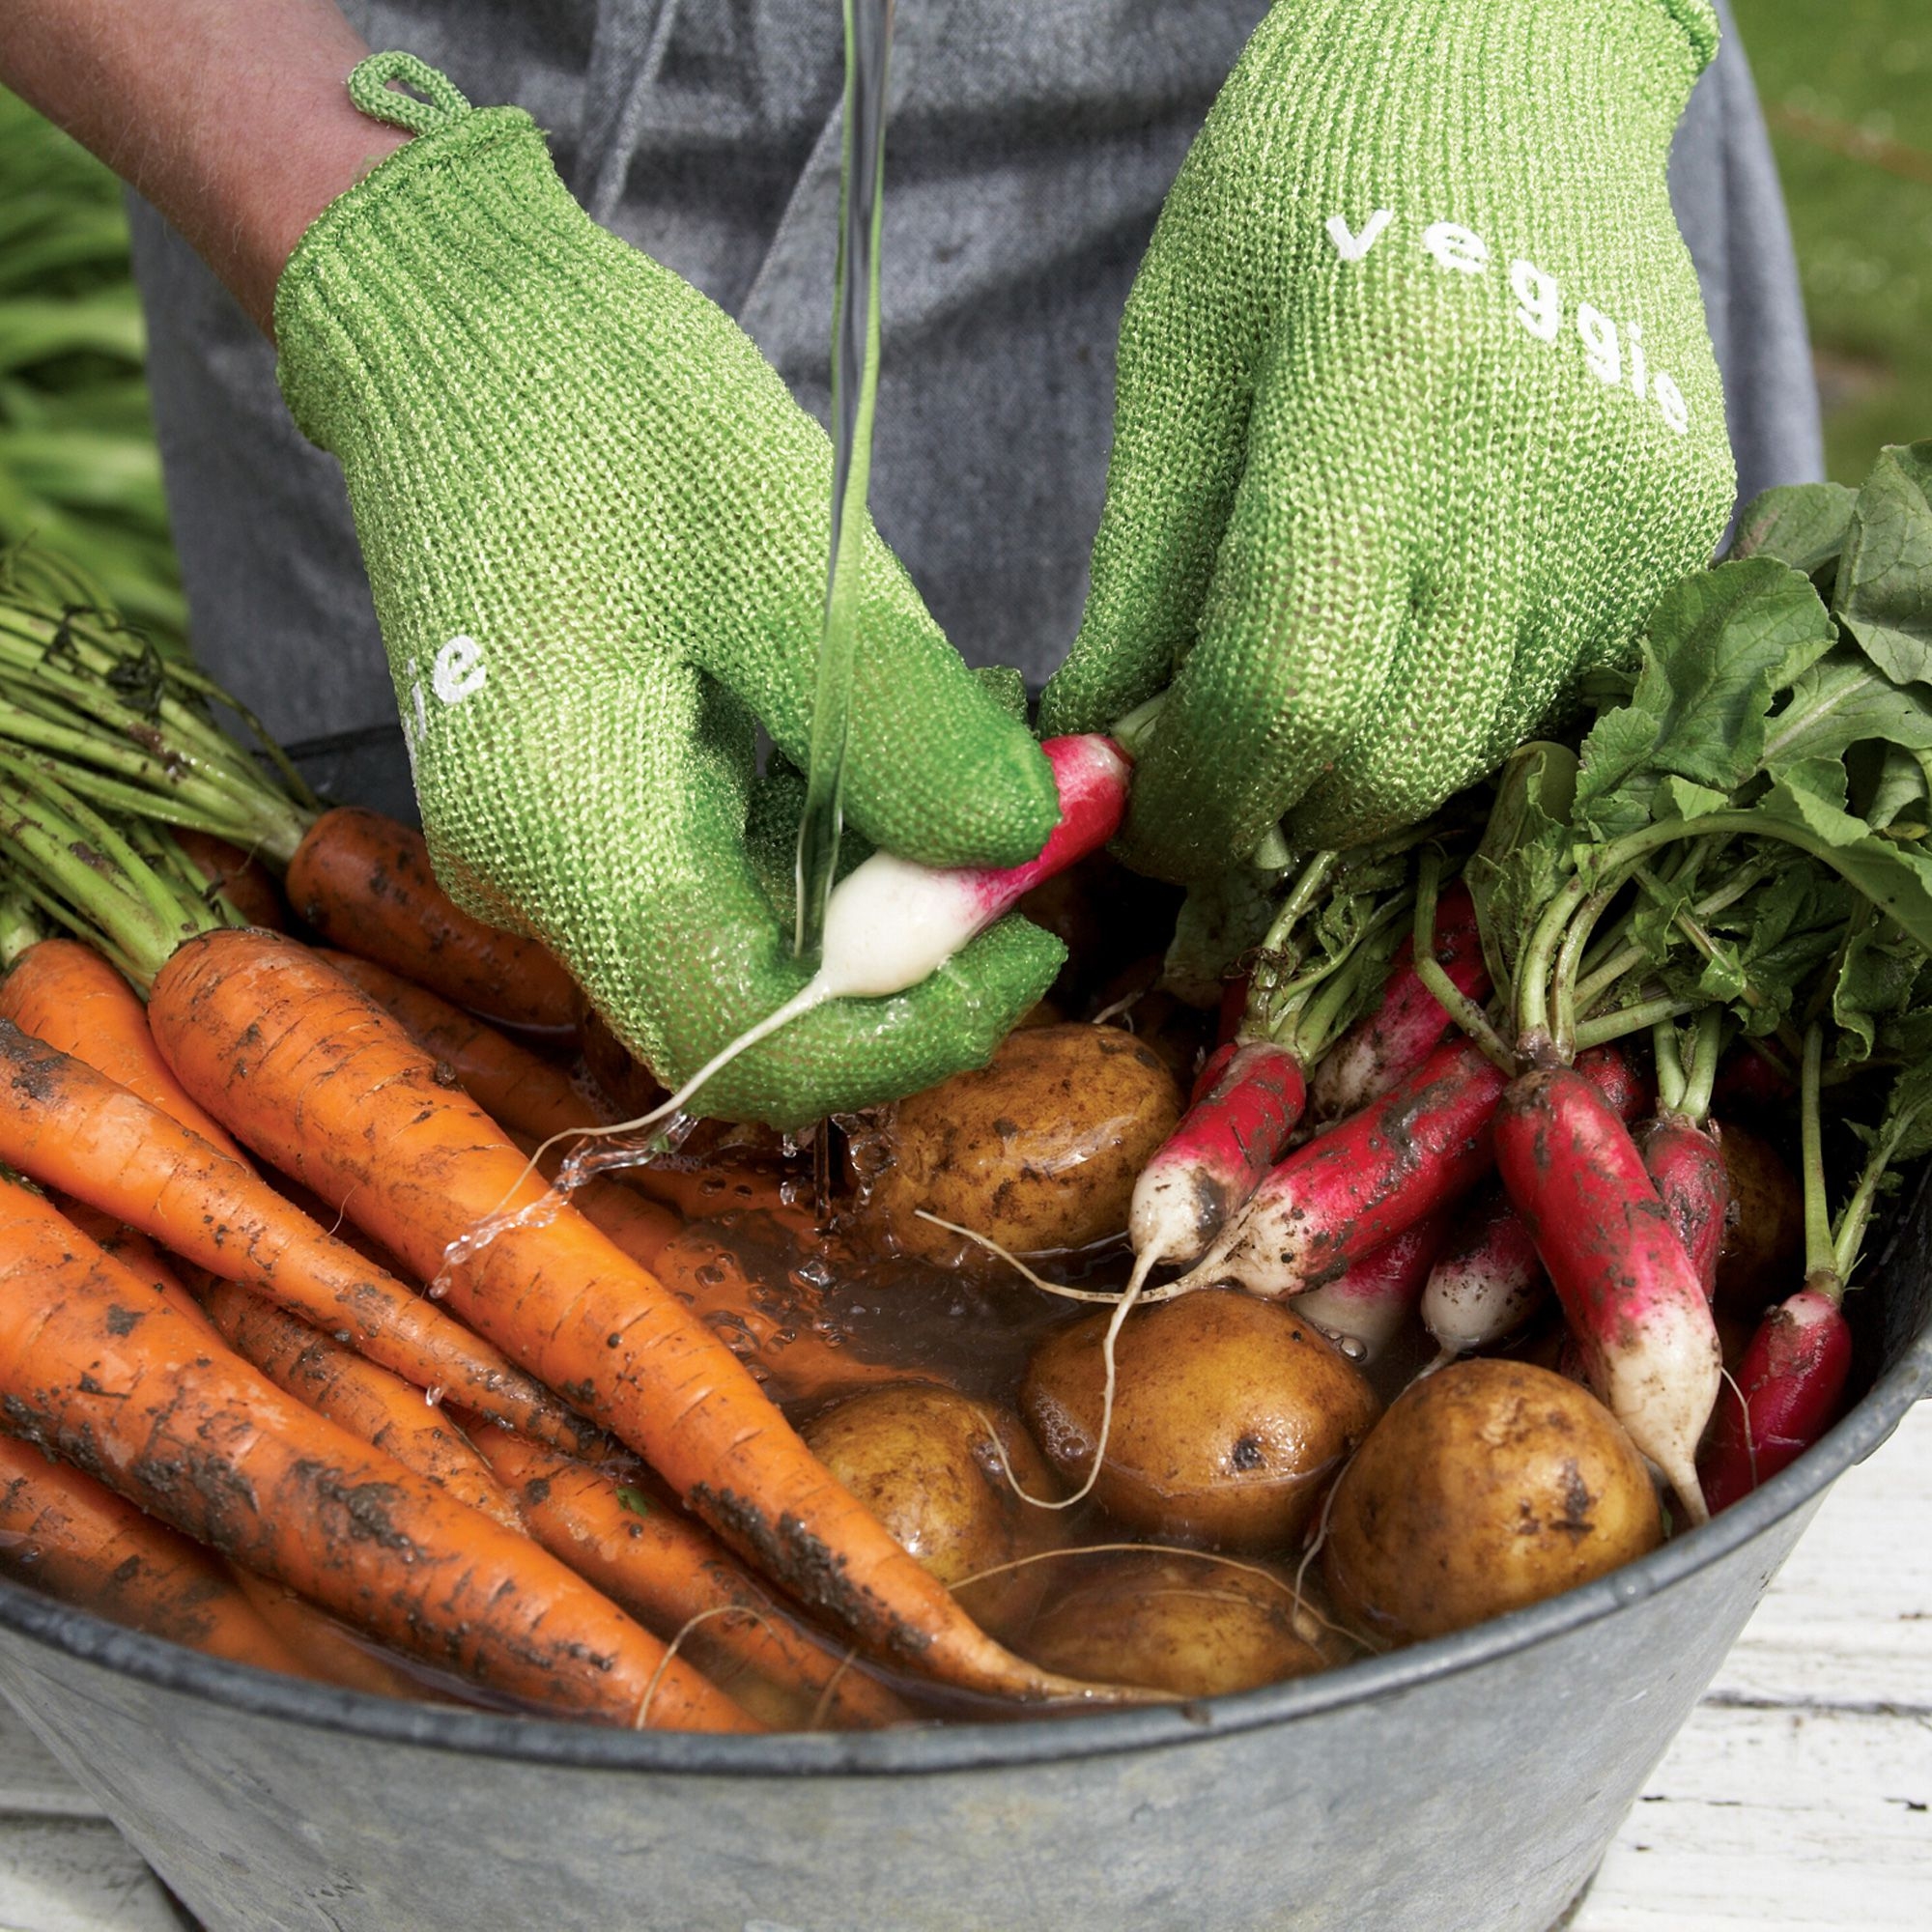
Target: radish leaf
1884 577
1720 646
1800 523
1811 798
1525 852
1841 701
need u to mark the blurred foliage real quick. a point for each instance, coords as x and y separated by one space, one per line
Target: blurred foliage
78 466
1847 91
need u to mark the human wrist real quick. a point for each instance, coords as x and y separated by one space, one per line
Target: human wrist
259 216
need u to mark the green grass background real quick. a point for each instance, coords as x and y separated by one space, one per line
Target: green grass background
1847 90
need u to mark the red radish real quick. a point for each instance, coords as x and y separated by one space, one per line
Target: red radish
1211 1071
1692 1181
1791 1382
890 924
1226 1142
1363 1310
1613 1076
1249 1098
1792 1376
1367 1180
1400 1034
1629 1290
1489 1280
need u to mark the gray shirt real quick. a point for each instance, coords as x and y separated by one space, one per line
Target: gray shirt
1029 152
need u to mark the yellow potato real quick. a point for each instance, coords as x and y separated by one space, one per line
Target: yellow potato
1229 1415
923 1459
1489 1485
1190 1624
1037 1152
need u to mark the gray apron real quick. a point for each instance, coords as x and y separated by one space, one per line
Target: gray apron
1030 150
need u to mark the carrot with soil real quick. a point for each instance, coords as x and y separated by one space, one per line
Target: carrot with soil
325 1647
70 1128
369 1401
66 994
523 1093
656 1563
334 1092
75 1539
138 1398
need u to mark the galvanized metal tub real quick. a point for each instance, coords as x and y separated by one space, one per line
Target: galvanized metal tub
1471 1785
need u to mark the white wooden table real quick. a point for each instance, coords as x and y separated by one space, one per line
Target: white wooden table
1798 1797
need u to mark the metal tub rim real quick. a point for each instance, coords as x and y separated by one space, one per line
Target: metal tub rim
970 1745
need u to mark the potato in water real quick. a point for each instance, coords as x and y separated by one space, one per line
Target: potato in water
1489 1485
923 1459
1190 1624
1229 1415
1037 1152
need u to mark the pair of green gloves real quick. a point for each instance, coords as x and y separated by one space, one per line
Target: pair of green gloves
1416 415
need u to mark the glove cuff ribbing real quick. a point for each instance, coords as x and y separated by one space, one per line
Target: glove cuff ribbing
366 248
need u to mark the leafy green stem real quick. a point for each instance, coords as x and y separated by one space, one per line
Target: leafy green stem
1623 1021
1820 1255
1301 895
18 928
1456 1003
1569 956
1707 1047
1670 1077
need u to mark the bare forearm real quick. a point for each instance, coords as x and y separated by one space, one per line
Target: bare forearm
229 115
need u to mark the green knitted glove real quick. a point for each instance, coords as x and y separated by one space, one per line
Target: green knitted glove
596 527
1416 414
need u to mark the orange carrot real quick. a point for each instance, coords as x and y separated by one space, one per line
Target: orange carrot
308 1072
642 1229
518 1089
66 994
656 1563
532 1101
247 885
373 1405
526 1095
139 1400
69 1128
325 1649
130 1249
364 883
73 1538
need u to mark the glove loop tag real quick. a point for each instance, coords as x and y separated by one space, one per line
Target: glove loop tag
370 89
